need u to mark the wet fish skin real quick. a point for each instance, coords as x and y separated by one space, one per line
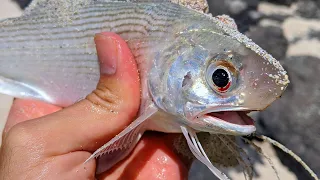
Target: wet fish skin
175 58
41 45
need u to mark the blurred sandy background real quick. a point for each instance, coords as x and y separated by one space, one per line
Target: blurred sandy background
283 29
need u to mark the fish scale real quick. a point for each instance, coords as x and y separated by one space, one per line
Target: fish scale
45 39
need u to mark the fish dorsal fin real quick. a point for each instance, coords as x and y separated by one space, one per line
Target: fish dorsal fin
73 5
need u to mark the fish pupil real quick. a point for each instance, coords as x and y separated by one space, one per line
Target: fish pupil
220 78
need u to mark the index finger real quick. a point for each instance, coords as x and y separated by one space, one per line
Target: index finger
24 109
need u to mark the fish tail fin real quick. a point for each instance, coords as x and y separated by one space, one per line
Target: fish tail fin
121 145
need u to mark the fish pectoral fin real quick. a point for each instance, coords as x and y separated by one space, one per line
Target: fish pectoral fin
121 145
197 150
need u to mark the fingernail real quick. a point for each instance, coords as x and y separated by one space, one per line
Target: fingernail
107 49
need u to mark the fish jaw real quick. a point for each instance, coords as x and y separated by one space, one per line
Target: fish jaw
217 119
227 122
231 122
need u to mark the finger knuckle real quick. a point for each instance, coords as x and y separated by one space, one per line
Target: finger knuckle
19 135
104 96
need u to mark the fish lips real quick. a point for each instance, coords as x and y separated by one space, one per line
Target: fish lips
227 122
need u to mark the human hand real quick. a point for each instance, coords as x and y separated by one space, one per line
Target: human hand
42 141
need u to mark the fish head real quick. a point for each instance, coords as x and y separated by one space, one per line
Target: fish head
215 80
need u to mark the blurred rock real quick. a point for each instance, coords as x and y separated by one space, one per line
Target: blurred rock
271 39
8 9
294 119
306 33
308 9
23 3
237 6
269 22
314 34
305 47
302 28
243 11
317 2
276 17
282 2
272 9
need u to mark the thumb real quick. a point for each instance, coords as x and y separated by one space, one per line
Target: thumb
104 113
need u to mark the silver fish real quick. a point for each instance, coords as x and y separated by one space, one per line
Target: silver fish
198 73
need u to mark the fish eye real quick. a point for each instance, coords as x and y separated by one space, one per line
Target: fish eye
220 76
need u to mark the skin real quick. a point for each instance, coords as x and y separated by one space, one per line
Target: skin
43 141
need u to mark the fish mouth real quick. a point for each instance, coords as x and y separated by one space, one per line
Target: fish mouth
229 122
233 117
